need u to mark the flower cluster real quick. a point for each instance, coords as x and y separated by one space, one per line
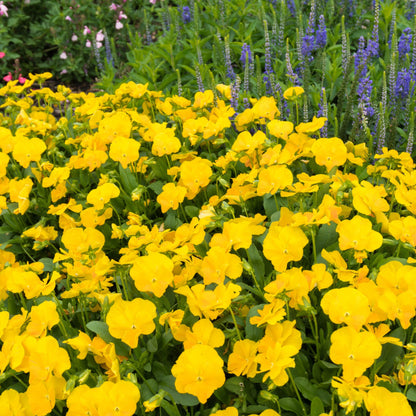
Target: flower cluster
163 252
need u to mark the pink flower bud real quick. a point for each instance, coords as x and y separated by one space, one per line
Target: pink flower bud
8 77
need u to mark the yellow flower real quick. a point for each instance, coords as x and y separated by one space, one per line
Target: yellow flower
117 399
358 234
273 179
19 191
127 320
195 174
198 371
102 194
203 332
28 150
311 127
218 264
346 305
124 150
355 351
171 196
152 273
284 244
266 107
329 152
280 129
293 93
369 199
242 360
382 402
209 303
276 350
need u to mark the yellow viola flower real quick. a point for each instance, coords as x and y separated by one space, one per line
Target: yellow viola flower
152 273
238 233
203 332
329 152
404 229
266 107
117 399
355 351
382 402
127 320
124 150
351 393
82 343
42 317
209 303
10 403
312 126
242 360
218 264
102 194
292 93
284 244
165 143
83 400
358 234
369 199
19 190
276 351
346 305
115 124
28 150
171 196
280 129
195 174
229 411
198 371
273 179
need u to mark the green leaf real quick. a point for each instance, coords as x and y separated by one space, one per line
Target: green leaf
411 394
257 263
317 407
47 264
101 329
326 236
192 211
167 383
152 345
128 179
253 332
291 404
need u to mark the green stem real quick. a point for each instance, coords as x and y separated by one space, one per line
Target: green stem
235 323
297 392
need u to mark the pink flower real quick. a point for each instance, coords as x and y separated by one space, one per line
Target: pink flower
119 25
63 55
152 1
68 18
21 79
86 31
88 43
98 45
3 9
113 6
74 38
8 78
99 37
2 55
122 15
